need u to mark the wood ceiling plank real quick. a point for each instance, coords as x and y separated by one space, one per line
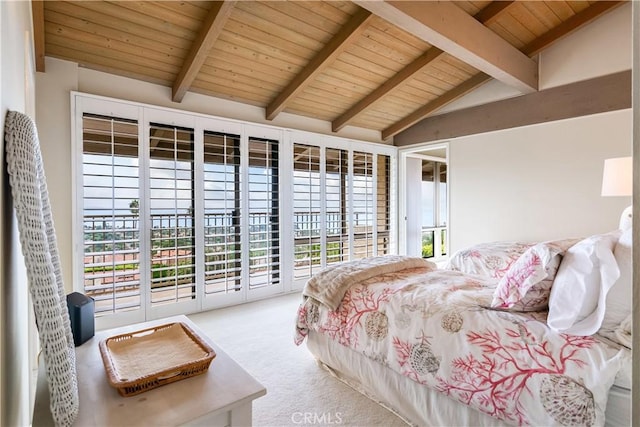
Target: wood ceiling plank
111 45
271 50
153 9
255 35
449 28
337 11
192 9
368 59
528 20
113 34
598 95
211 90
397 33
109 12
98 18
493 11
570 25
562 10
207 36
512 23
392 56
260 23
268 13
222 82
541 11
259 59
215 74
109 65
37 12
329 52
219 66
400 45
225 59
441 101
145 65
360 69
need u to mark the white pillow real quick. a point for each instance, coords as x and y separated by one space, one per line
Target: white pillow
620 295
578 296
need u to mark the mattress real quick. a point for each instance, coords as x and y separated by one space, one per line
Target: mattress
419 405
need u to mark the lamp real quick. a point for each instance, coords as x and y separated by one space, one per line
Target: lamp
617 180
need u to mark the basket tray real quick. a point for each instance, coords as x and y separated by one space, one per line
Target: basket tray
146 359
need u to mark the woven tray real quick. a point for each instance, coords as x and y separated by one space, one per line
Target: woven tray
146 359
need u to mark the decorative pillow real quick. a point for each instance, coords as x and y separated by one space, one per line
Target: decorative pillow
618 304
623 331
578 296
526 286
487 259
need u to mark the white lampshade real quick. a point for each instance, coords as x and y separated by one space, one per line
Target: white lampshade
617 178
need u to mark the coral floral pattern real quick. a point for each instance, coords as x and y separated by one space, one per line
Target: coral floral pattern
488 259
431 327
527 284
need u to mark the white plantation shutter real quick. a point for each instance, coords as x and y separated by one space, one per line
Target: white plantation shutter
171 207
110 212
337 227
306 210
264 213
363 205
383 205
222 213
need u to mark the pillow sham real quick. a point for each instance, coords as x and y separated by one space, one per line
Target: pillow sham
578 294
487 259
527 284
618 304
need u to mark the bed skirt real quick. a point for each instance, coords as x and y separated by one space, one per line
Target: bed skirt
419 405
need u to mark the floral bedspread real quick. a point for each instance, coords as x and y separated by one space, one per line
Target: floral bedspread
432 327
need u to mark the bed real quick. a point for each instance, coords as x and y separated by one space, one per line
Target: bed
507 334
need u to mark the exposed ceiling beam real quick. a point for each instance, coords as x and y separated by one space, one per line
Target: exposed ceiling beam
446 26
485 16
326 56
211 29
37 9
533 48
598 95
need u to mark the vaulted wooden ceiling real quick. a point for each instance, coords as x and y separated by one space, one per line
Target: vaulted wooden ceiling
381 65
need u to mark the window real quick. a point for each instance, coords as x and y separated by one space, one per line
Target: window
307 210
222 213
336 222
110 213
338 215
264 213
179 212
171 214
434 213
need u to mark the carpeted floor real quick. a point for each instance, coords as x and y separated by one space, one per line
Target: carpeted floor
259 336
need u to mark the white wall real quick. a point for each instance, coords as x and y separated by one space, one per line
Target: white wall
16 334
53 112
538 182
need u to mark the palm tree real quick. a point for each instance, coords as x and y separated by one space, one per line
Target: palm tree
134 207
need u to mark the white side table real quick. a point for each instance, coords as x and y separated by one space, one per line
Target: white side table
223 396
